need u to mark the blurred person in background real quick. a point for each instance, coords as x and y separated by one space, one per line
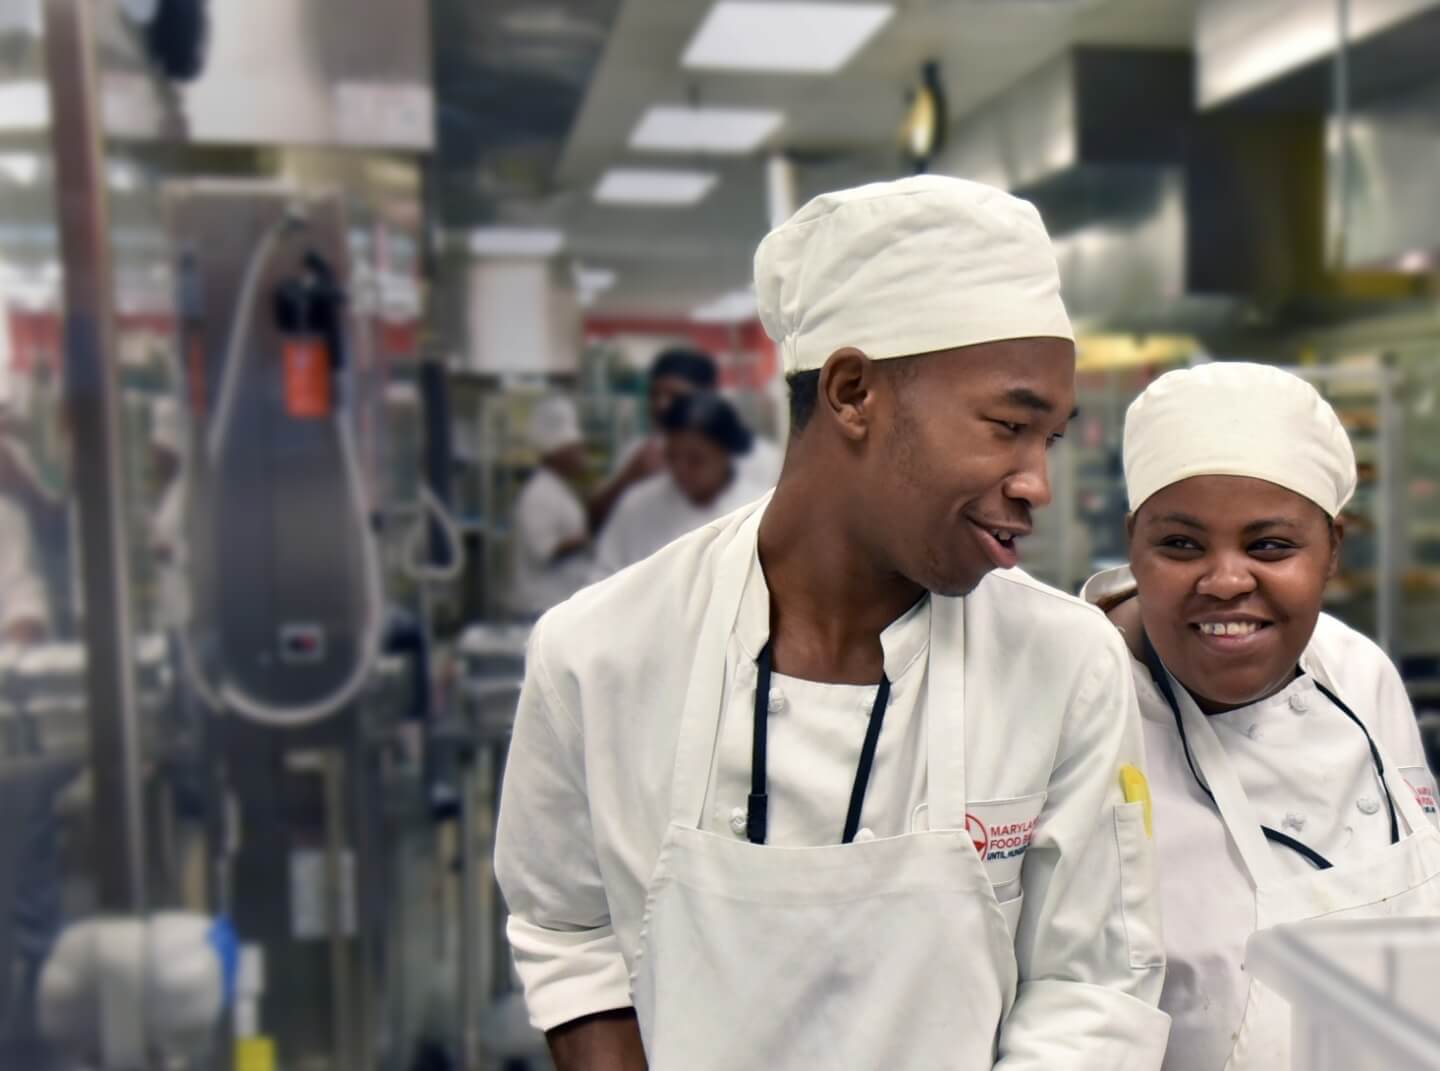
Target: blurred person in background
674 372
24 602
705 445
829 783
30 516
551 533
167 526
1287 771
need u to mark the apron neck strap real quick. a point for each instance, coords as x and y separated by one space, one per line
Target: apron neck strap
944 712
1401 795
1212 770
705 693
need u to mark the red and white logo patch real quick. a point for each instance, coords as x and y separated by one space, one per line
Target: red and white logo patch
1423 785
1001 831
979 836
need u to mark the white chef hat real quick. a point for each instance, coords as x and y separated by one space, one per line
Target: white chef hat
554 425
1238 419
897 269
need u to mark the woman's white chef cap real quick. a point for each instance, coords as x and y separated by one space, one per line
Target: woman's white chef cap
1238 419
897 269
554 425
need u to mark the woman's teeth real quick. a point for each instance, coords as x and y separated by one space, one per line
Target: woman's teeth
1228 628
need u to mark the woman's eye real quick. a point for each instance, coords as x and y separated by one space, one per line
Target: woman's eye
1272 547
1179 543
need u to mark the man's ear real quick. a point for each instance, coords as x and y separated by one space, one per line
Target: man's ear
847 391
1337 540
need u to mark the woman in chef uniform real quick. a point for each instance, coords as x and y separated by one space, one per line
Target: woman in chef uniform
1287 771
705 443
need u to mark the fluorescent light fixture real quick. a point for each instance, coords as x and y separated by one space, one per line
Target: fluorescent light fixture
516 242
24 106
636 186
21 168
704 129
781 35
734 307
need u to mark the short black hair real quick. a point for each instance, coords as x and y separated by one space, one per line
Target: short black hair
693 366
710 415
804 394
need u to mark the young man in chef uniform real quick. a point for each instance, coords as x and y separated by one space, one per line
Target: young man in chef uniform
828 783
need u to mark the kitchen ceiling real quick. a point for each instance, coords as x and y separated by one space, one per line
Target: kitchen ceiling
840 129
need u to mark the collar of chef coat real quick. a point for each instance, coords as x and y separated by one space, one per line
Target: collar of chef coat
1120 581
904 640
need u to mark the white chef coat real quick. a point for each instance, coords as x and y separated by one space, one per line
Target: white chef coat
759 466
548 514
167 539
815 735
1307 772
655 512
22 590
1048 721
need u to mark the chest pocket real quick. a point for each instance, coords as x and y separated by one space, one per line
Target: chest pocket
1422 783
1001 831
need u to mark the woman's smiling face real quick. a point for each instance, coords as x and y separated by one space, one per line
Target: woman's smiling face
1231 572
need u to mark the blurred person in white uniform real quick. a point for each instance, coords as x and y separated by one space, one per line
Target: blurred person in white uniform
705 444
24 602
828 783
551 536
167 526
674 373
1286 767
25 599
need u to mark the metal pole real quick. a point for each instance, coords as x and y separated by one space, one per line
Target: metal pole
338 897
1389 513
469 908
92 397
1340 89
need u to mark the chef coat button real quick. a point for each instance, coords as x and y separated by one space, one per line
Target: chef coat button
1295 820
861 836
738 821
1367 804
1298 704
777 702
1255 733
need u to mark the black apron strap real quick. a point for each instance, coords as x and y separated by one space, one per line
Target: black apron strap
1161 677
757 818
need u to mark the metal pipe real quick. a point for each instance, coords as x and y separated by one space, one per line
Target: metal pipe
336 888
1340 90
92 397
469 911
1390 519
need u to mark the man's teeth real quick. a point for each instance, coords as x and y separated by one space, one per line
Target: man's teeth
1002 537
1229 628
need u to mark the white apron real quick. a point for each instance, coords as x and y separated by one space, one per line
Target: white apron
889 953
1401 880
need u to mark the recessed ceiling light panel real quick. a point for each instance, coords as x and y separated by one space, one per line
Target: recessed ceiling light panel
793 36
638 186
515 242
704 129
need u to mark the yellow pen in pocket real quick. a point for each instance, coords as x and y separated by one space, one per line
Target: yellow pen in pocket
1137 790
